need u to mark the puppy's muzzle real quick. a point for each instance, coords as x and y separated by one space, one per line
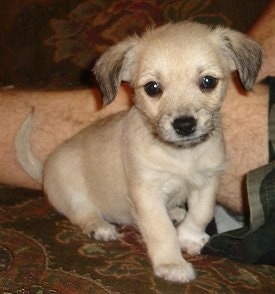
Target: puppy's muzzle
184 125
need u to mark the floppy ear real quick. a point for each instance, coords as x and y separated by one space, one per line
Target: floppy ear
113 67
245 53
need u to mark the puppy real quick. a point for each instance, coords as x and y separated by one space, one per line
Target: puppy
136 167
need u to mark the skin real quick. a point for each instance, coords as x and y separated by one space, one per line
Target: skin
58 116
245 124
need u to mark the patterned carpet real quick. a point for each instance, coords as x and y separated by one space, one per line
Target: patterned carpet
41 252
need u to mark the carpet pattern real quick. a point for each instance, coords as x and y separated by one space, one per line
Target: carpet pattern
41 252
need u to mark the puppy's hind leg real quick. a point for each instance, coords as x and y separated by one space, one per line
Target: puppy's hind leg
78 207
88 218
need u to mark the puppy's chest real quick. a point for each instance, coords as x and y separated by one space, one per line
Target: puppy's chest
180 182
179 176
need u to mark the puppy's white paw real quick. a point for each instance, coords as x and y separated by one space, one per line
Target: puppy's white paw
106 232
182 272
192 242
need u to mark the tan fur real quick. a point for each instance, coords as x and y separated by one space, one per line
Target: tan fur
135 167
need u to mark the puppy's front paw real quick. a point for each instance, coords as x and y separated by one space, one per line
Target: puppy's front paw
182 272
192 242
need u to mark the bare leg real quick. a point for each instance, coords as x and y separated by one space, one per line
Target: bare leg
246 135
58 115
263 32
245 121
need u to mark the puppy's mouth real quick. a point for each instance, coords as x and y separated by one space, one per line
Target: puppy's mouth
185 142
191 142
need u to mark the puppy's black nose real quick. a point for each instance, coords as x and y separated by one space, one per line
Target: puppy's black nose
184 125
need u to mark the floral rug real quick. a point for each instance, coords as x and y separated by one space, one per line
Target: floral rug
42 253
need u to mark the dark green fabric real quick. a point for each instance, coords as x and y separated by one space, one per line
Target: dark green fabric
271 82
255 242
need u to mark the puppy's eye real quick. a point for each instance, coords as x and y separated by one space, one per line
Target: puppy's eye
208 83
152 89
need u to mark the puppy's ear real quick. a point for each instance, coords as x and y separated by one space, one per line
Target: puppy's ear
113 67
245 53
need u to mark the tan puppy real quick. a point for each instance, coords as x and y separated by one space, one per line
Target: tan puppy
136 167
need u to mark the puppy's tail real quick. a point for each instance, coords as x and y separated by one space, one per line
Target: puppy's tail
29 162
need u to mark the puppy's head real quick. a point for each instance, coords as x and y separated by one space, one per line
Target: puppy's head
179 73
